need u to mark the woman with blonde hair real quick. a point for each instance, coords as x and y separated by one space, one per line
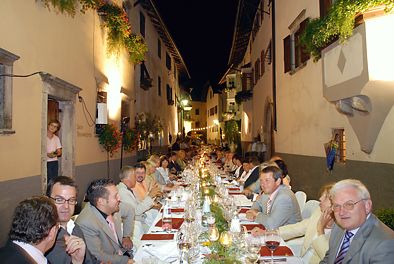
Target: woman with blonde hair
315 230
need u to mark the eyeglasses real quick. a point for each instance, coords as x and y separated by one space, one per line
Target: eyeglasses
61 200
349 205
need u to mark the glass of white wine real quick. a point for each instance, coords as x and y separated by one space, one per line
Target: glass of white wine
253 249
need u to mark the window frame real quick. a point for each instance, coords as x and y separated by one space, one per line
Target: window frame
142 24
7 59
294 56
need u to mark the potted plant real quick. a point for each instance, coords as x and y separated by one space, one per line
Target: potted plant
110 140
243 96
129 140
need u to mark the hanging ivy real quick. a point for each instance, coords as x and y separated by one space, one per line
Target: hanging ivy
119 35
243 96
339 22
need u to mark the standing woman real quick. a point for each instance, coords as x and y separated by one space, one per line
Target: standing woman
54 149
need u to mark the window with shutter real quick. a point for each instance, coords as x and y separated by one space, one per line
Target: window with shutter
287 53
294 53
159 48
142 24
262 63
7 60
325 6
303 55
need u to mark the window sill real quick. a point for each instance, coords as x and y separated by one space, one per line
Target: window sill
292 72
7 131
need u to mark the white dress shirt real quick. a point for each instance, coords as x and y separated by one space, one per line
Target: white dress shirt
34 252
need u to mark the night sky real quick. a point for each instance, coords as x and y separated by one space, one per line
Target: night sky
203 32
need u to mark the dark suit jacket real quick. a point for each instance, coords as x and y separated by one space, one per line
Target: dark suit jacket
174 165
252 177
373 243
13 254
57 254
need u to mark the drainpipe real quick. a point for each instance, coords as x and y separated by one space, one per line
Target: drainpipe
273 55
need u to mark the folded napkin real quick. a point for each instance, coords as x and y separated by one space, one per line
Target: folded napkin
233 189
157 237
175 210
249 227
176 223
280 251
243 210
166 252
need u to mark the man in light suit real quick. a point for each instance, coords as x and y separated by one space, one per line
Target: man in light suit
358 237
33 232
100 221
277 206
127 178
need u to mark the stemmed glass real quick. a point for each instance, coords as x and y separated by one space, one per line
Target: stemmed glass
272 241
253 249
184 244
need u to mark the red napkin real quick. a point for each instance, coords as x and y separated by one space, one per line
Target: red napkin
249 227
233 189
243 210
176 223
280 251
175 210
157 237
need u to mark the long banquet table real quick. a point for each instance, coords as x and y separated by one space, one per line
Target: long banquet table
159 246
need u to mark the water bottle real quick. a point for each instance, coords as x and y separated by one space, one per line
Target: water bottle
166 217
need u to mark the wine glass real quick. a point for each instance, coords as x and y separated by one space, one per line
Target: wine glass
184 244
253 249
272 241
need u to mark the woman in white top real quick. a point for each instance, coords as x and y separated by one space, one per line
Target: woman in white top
54 149
163 169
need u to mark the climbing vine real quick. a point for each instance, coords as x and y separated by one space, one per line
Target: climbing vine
339 22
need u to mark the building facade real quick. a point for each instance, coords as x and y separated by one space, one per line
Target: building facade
300 105
61 62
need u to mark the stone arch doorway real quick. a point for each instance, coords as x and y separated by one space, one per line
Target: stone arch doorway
64 94
268 129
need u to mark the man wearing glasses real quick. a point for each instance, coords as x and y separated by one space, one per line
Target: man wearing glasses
70 246
359 236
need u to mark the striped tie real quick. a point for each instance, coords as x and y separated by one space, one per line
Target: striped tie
344 248
269 204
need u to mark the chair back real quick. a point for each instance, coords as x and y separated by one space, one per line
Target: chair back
301 199
309 207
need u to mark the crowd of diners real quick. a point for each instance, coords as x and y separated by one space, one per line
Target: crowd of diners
109 227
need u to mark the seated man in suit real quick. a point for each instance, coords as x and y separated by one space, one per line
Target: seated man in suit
173 166
253 173
309 238
63 191
100 221
358 236
127 178
33 232
277 206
